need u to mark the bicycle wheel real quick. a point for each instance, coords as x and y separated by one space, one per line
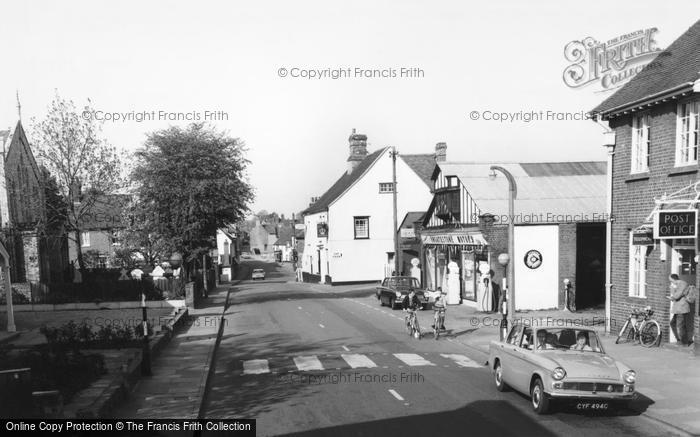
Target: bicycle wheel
622 331
436 327
649 333
409 326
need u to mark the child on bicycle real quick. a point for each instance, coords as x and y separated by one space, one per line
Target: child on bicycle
440 305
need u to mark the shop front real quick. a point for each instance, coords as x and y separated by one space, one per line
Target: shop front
456 262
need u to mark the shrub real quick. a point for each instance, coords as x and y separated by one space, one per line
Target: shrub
73 336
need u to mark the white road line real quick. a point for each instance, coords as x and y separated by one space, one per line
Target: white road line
321 325
299 307
254 367
462 360
413 360
358 360
308 363
346 349
396 395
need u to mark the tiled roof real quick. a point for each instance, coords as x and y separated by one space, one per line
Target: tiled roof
422 164
678 65
285 236
105 213
544 196
343 183
412 217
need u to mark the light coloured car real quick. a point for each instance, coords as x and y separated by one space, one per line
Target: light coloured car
258 274
560 364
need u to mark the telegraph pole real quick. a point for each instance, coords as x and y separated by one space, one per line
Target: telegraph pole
397 254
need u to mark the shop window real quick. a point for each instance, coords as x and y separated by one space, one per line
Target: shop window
687 133
361 228
640 143
637 270
452 181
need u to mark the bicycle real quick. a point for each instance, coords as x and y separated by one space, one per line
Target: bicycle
438 321
412 326
640 327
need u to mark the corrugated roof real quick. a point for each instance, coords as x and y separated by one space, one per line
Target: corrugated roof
343 183
423 165
677 65
549 196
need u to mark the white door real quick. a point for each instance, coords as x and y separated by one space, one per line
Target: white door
536 254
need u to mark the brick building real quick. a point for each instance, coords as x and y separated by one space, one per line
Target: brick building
559 233
100 225
656 123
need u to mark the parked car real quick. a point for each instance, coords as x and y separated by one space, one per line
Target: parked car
560 364
394 288
258 274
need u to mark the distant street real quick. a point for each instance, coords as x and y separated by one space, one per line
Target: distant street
303 360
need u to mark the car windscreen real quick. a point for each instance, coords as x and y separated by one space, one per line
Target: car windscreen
571 339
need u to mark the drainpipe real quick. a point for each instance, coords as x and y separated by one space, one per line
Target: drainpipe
609 144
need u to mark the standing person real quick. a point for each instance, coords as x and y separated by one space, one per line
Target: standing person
680 308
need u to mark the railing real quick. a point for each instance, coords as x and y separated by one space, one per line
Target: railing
106 291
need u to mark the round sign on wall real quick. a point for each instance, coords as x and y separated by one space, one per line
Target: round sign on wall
533 259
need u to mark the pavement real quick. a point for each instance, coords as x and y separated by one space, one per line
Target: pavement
178 385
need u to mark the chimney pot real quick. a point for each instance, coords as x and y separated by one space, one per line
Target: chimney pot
358 149
441 152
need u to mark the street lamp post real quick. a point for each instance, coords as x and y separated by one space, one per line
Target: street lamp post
512 194
397 256
504 259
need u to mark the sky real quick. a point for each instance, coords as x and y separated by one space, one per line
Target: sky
248 64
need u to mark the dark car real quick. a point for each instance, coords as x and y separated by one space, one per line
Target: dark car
394 288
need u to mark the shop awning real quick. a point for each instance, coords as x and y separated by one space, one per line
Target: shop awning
455 239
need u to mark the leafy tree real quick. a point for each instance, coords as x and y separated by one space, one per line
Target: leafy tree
190 182
141 239
68 143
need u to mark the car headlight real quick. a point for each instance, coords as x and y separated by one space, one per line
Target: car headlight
559 373
630 376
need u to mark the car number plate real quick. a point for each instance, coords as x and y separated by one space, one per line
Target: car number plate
592 406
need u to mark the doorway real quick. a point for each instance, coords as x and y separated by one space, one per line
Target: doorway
590 266
684 265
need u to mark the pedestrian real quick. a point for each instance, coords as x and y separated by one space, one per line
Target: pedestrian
680 308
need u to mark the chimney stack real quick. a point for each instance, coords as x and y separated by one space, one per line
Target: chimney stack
358 150
441 152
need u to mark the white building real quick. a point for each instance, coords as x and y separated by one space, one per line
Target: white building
349 229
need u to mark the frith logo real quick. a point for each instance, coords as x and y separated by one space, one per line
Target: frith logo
612 63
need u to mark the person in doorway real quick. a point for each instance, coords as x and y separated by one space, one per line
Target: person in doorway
680 308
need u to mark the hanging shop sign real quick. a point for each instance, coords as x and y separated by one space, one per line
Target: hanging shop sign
322 230
408 233
643 236
533 259
676 224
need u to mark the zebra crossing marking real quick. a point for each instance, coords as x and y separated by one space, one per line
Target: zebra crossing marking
255 367
358 360
308 363
413 360
461 360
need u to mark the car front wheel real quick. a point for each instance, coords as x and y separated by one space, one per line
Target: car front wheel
498 377
540 401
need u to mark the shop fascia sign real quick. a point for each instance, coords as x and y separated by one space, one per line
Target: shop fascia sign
456 239
675 223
